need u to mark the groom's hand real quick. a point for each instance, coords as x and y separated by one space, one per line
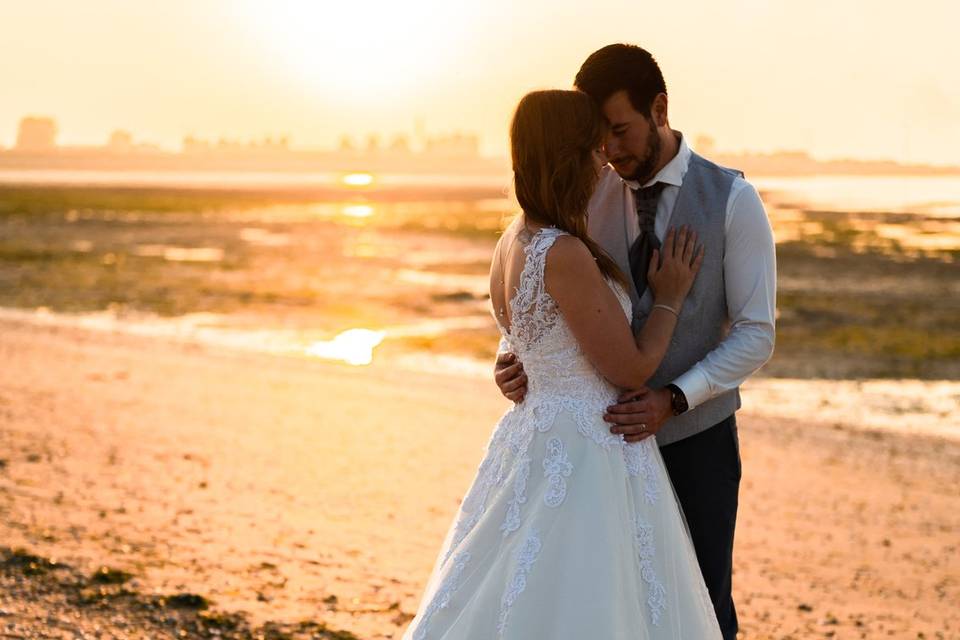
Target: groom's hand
510 377
639 413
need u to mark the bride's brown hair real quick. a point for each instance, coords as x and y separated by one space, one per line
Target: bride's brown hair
552 137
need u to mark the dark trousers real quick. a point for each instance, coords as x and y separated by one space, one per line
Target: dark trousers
705 471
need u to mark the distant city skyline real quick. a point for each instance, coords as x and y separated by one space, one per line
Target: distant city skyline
38 133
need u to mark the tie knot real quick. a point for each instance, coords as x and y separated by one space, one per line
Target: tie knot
650 193
646 199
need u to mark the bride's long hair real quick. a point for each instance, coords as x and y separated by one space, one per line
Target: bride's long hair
552 137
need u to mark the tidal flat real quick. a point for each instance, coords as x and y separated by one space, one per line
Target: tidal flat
860 294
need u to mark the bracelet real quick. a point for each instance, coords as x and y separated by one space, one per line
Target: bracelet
670 309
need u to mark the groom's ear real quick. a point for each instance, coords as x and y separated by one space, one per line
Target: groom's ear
658 110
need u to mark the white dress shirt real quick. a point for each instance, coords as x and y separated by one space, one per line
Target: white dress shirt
750 277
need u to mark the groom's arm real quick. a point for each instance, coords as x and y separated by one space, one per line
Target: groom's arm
750 277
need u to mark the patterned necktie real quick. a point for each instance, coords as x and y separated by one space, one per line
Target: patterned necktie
643 247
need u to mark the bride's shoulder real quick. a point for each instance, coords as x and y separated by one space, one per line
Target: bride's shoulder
508 232
568 253
514 225
571 273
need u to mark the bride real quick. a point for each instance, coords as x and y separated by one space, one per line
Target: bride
567 531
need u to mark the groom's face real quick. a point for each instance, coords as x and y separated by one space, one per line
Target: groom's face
632 143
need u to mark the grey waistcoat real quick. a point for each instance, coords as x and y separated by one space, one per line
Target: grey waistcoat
704 321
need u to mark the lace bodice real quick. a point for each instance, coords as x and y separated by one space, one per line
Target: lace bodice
542 340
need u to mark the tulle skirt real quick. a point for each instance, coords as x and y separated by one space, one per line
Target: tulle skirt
566 532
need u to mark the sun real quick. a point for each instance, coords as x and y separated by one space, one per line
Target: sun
362 48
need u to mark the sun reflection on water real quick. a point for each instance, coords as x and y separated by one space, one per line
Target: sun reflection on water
358 211
354 346
357 179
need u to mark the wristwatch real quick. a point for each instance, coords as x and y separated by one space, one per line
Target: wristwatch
678 401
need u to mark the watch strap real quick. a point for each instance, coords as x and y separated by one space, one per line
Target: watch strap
678 401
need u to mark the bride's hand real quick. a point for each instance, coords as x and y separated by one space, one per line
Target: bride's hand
674 268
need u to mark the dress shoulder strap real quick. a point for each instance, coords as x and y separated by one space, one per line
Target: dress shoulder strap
531 287
536 257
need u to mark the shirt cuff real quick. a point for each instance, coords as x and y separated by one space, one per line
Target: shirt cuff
695 387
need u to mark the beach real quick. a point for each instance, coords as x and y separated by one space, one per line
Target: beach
186 452
313 496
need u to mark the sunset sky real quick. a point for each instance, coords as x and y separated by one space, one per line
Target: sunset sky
839 78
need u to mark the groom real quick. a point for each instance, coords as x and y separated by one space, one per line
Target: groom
726 327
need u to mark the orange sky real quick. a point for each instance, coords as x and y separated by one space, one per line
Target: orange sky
871 79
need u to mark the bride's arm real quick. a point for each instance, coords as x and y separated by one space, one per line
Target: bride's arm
596 319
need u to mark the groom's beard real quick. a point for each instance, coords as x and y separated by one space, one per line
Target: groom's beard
647 163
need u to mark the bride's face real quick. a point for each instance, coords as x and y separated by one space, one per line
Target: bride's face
599 159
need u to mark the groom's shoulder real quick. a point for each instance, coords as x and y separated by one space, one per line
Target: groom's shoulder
609 190
709 165
607 199
724 178
609 180
743 199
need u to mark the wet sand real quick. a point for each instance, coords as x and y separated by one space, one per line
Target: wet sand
295 490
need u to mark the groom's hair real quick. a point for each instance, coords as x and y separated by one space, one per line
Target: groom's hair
618 67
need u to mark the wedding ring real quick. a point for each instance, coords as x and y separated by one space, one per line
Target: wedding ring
643 426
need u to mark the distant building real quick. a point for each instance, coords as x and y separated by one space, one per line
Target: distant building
268 144
457 144
400 144
272 144
120 141
228 144
195 145
37 134
705 145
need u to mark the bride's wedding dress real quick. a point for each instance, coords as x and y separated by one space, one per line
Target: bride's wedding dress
567 532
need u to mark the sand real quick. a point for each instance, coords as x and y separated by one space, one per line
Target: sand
292 489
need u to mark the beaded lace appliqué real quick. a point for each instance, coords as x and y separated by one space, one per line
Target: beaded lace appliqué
657 595
441 598
639 460
556 467
489 475
525 559
512 520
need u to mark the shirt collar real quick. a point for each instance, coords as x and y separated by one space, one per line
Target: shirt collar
672 173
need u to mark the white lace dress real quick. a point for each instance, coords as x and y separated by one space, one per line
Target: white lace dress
567 532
